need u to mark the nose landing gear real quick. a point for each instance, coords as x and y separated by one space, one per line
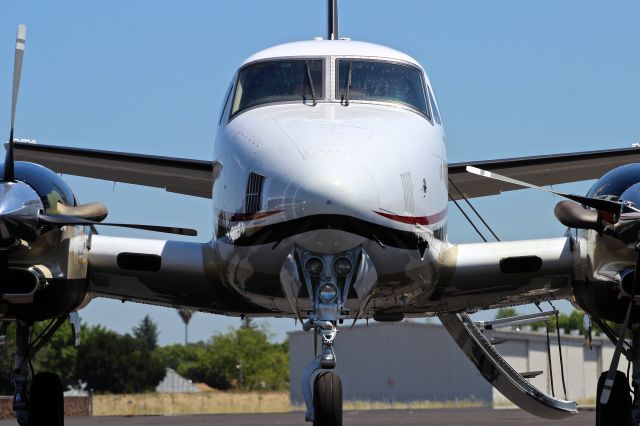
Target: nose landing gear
328 280
324 405
327 399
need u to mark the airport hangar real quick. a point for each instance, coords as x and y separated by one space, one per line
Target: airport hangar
411 361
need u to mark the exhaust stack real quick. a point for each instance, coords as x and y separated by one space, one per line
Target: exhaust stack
23 284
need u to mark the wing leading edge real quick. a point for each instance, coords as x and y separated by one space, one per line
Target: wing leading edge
196 177
179 175
539 170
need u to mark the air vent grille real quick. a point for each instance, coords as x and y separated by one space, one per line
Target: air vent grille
407 189
253 195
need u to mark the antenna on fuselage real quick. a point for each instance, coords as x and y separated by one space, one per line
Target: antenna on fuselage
9 174
332 33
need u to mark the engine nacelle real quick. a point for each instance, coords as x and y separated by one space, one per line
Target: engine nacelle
608 300
33 294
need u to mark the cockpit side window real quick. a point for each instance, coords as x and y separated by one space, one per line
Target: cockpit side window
274 81
225 107
375 80
434 108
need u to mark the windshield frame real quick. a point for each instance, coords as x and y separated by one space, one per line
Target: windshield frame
309 102
405 105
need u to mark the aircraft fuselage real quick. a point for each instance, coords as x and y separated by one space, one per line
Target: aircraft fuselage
329 178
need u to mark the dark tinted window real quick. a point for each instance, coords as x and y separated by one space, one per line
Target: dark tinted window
381 81
278 81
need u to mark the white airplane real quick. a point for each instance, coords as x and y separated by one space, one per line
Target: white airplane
330 186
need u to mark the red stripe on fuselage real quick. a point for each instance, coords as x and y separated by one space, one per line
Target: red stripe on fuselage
246 217
415 220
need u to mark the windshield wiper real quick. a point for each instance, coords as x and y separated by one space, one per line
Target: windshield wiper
313 90
346 96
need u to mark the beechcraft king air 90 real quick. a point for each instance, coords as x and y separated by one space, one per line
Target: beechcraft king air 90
330 186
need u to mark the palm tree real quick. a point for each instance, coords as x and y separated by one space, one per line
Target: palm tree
186 315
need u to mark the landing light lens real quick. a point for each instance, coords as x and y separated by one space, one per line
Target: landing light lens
314 266
328 292
342 266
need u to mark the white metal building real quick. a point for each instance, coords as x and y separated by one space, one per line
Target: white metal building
412 361
175 383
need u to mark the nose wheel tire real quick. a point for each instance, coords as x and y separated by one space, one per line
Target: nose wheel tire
46 402
618 410
327 400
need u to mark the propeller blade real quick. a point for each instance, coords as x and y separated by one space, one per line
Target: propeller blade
574 215
21 38
613 207
611 374
62 220
90 211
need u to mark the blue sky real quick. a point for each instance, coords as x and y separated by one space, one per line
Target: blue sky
513 79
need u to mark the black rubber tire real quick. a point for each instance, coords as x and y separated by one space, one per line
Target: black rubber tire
46 402
327 399
618 411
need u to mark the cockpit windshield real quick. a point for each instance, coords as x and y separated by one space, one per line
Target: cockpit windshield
374 80
279 81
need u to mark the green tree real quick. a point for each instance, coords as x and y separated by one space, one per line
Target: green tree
59 355
146 333
185 316
185 359
110 362
506 313
241 358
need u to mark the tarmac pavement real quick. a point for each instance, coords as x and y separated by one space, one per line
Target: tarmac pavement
449 417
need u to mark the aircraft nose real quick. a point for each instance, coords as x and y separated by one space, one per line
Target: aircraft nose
333 184
19 208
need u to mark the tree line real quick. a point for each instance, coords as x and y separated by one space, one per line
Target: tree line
109 362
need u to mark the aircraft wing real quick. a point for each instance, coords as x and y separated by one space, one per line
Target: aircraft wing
540 170
179 175
196 177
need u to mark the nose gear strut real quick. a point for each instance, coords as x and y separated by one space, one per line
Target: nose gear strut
329 280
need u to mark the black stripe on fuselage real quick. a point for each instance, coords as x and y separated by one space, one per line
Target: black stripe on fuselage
277 232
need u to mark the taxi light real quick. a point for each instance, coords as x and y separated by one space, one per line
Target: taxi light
328 292
342 266
314 266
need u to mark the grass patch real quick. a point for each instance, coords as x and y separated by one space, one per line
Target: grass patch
231 402
191 403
